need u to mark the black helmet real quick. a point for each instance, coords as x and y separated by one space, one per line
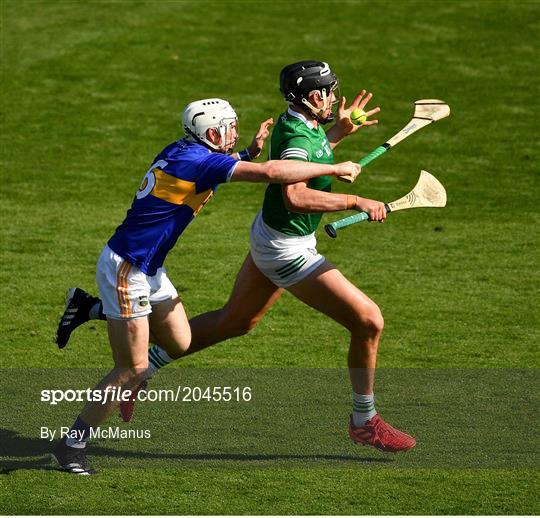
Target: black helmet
298 79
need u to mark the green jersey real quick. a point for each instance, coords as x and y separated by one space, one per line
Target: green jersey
295 138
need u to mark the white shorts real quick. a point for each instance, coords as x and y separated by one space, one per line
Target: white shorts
127 292
284 259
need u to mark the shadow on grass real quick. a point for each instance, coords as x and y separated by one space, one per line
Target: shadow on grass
14 445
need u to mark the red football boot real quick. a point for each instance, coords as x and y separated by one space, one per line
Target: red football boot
379 434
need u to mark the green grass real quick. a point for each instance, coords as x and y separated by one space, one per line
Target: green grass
92 91
278 492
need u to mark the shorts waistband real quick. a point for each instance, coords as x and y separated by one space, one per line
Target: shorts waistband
276 236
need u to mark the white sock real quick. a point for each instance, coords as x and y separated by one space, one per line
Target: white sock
363 408
157 358
78 433
75 443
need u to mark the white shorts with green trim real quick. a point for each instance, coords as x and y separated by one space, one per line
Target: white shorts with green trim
126 291
285 260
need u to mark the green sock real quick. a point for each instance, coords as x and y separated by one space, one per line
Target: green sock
157 358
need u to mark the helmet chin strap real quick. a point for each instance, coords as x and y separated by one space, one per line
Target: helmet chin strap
316 112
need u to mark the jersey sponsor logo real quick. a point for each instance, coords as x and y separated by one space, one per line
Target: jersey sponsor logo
319 153
325 147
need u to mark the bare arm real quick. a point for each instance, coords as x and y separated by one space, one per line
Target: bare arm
288 171
299 197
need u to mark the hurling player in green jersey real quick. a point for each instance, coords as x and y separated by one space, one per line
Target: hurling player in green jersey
283 251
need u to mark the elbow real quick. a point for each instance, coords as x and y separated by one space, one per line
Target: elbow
291 204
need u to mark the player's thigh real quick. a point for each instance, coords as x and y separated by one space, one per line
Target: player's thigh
169 325
129 341
330 292
253 293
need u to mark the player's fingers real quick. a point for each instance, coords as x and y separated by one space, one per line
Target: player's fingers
358 98
373 112
374 213
370 123
263 130
365 100
342 104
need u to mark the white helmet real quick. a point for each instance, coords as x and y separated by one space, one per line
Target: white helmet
199 116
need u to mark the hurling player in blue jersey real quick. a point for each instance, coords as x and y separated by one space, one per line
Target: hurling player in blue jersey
138 298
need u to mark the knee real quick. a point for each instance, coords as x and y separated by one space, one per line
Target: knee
175 341
178 347
243 327
369 320
237 323
375 320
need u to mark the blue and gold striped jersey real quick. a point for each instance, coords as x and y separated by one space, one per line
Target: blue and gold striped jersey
183 177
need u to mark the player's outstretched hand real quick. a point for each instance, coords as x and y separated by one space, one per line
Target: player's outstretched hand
375 209
347 171
346 127
257 144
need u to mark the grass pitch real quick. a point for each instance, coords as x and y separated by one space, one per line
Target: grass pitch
92 91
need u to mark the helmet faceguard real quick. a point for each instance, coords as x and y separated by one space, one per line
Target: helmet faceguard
298 80
200 116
